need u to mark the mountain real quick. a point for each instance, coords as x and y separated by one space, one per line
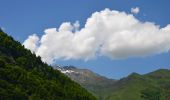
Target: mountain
24 76
154 86
151 86
96 84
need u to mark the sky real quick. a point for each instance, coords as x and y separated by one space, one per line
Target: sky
110 37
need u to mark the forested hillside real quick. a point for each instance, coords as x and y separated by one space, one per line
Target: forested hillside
24 76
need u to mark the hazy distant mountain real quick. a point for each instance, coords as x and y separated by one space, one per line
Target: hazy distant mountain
132 87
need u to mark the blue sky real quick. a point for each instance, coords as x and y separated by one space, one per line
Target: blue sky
21 18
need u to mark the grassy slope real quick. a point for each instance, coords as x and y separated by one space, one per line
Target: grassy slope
130 87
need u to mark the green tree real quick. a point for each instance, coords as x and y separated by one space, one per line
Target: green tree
2 63
151 94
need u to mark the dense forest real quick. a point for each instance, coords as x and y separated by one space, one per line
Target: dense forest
24 76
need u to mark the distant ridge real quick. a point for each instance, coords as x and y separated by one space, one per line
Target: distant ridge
127 88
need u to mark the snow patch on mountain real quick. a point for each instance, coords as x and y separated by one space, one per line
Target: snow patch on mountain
64 70
67 71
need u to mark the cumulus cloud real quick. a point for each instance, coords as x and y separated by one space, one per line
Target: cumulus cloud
107 33
135 10
32 42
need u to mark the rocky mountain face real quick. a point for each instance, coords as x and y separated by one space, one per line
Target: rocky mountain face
84 76
151 86
95 83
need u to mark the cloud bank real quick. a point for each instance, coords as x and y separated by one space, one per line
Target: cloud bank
107 33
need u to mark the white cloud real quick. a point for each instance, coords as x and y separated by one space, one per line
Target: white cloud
135 10
108 33
32 42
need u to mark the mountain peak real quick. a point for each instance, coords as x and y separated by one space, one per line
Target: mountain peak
134 75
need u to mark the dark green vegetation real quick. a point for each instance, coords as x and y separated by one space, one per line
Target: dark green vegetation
151 86
24 76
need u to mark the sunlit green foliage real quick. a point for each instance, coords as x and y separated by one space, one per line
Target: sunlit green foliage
151 94
24 76
151 86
